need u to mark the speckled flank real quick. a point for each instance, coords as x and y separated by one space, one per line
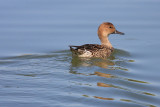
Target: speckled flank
91 50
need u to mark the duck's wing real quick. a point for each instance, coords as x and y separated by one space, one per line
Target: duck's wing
87 47
91 50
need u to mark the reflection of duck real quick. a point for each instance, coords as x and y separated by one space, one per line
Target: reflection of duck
103 98
94 50
103 74
103 85
77 62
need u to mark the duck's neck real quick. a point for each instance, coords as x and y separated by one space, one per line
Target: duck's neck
105 41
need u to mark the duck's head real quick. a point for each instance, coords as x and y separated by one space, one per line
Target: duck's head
107 28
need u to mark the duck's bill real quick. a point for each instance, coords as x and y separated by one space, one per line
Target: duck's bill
118 32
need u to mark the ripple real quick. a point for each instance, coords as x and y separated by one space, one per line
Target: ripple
93 78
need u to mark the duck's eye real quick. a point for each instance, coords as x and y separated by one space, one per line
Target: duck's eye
110 27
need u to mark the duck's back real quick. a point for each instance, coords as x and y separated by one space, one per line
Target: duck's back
91 50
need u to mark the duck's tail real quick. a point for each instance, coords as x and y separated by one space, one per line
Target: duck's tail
71 47
75 51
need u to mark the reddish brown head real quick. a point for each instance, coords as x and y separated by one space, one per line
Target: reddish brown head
104 30
107 28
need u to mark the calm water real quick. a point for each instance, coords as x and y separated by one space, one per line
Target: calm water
38 70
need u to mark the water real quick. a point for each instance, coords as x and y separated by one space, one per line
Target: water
38 70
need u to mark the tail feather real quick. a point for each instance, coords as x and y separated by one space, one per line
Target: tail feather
75 51
71 48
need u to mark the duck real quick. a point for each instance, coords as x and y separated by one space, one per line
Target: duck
103 50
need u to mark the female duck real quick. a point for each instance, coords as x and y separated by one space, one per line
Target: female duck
94 50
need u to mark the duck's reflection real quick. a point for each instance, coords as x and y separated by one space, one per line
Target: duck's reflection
103 74
103 98
123 100
103 85
103 63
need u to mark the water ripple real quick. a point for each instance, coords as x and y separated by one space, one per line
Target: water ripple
98 79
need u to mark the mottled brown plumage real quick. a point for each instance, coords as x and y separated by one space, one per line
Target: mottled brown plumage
94 50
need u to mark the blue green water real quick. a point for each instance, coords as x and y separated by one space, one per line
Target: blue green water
38 70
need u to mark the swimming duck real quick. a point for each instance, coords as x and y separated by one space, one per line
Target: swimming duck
94 50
